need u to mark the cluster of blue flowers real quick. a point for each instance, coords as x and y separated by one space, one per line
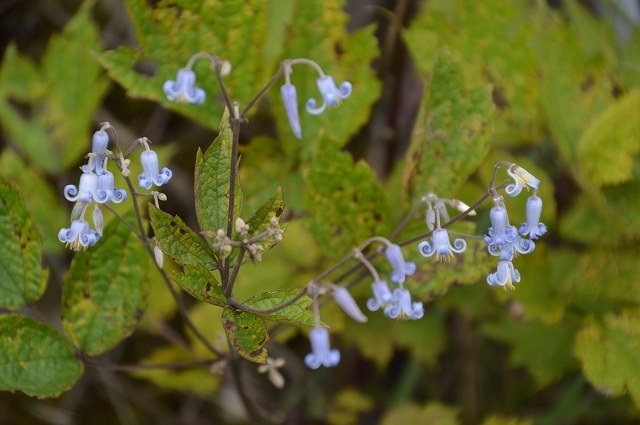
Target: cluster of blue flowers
97 186
503 240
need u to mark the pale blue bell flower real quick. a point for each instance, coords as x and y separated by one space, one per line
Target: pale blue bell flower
321 353
183 89
522 178
533 227
500 232
290 100
107 192
442 245
519 245
401 268
382 296
99 144
150 174
331 94
86 190
344 299
402 307
504 276
78 236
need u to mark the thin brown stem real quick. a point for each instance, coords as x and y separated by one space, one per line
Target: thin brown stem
232 302
228 290
262 91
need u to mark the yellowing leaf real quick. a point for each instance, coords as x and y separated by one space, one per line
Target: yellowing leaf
609 353
609 143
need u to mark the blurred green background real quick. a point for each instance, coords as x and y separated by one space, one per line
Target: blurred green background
442 90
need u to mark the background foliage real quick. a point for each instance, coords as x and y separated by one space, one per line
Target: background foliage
442 90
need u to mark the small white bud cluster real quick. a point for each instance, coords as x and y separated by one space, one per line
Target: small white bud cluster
274 229
242 228
224 243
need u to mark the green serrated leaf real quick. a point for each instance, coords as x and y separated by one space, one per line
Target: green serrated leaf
40 198
494 40
411 413
22 281
297 314
345 203
609 143
572 93
451 135
197 281
169 33
179 242
211 181
63 101
543 349
247 334
35 359
609 353
603 279
105 291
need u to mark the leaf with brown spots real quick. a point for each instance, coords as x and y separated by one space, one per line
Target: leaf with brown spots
247 334
105 290
22 281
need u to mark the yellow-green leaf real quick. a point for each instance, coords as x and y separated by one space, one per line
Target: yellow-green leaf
35 359
22 280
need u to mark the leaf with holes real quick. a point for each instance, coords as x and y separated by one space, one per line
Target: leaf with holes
35 359
201 284
452 132
22 281
179 242
247 334
345 203
105 291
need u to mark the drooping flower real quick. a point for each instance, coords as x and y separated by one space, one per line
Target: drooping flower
150 174
442 245
348 304
79 235
505 274
107 192
522 178
382 296
321 352
402 307
99 143
533 227
86 190
500 232
331 95
290 100
183 89
401 268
